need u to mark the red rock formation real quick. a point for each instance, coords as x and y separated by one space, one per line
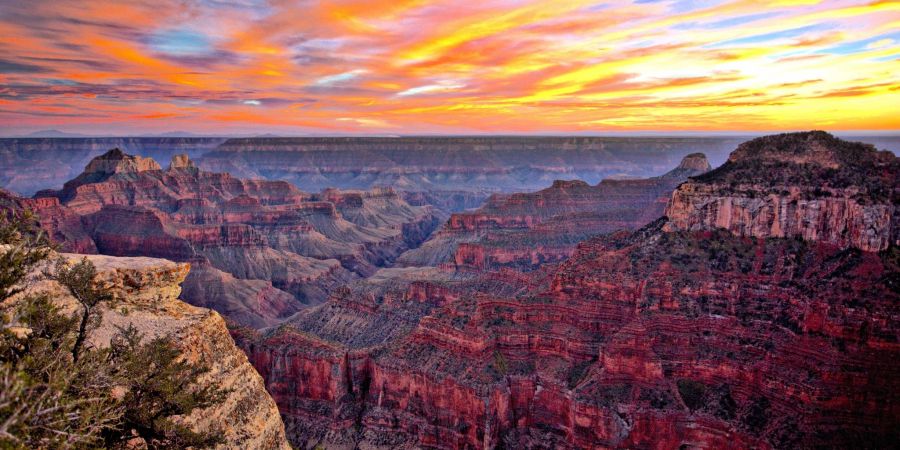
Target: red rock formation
658 338
529 229
259 242
820 188
625 349
62 226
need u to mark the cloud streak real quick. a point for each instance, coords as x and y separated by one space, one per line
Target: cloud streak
441 66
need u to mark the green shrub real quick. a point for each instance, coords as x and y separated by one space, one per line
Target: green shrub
57 392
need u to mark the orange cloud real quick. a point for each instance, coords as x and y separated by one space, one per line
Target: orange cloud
413 66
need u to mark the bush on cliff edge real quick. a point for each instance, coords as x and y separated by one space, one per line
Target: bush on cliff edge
56 391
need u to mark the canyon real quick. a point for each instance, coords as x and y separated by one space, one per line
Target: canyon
753 305
682 333
450 173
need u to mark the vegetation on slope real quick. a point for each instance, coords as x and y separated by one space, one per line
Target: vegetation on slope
58 391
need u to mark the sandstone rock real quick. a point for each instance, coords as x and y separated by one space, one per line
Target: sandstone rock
146 292
692 165
116 161
182 162
63 226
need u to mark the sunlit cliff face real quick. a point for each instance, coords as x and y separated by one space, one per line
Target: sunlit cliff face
418 66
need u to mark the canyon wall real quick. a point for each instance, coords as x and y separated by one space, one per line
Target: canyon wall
526 230
662 337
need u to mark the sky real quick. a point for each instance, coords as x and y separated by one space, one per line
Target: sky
447 67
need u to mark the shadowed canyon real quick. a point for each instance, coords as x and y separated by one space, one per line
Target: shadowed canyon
750 305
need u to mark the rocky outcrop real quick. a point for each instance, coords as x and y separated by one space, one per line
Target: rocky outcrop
811 185
527 230
692 165
145 294
116 161
182 162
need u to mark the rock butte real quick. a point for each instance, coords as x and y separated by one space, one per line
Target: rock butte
811 185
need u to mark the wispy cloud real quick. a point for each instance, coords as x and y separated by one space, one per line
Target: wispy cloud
339 78
441 65
443 86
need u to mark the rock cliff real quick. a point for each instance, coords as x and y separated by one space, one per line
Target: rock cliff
145 294
62 225
116 161
645 339
663 337
810 185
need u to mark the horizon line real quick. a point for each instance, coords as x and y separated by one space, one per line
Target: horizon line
269 134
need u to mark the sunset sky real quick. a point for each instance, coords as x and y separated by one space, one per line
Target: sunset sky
419 66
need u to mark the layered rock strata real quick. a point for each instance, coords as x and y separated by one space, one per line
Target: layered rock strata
658 338
811 185
262 250
526 230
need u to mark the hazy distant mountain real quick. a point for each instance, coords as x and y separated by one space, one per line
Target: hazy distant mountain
55 134
176 134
